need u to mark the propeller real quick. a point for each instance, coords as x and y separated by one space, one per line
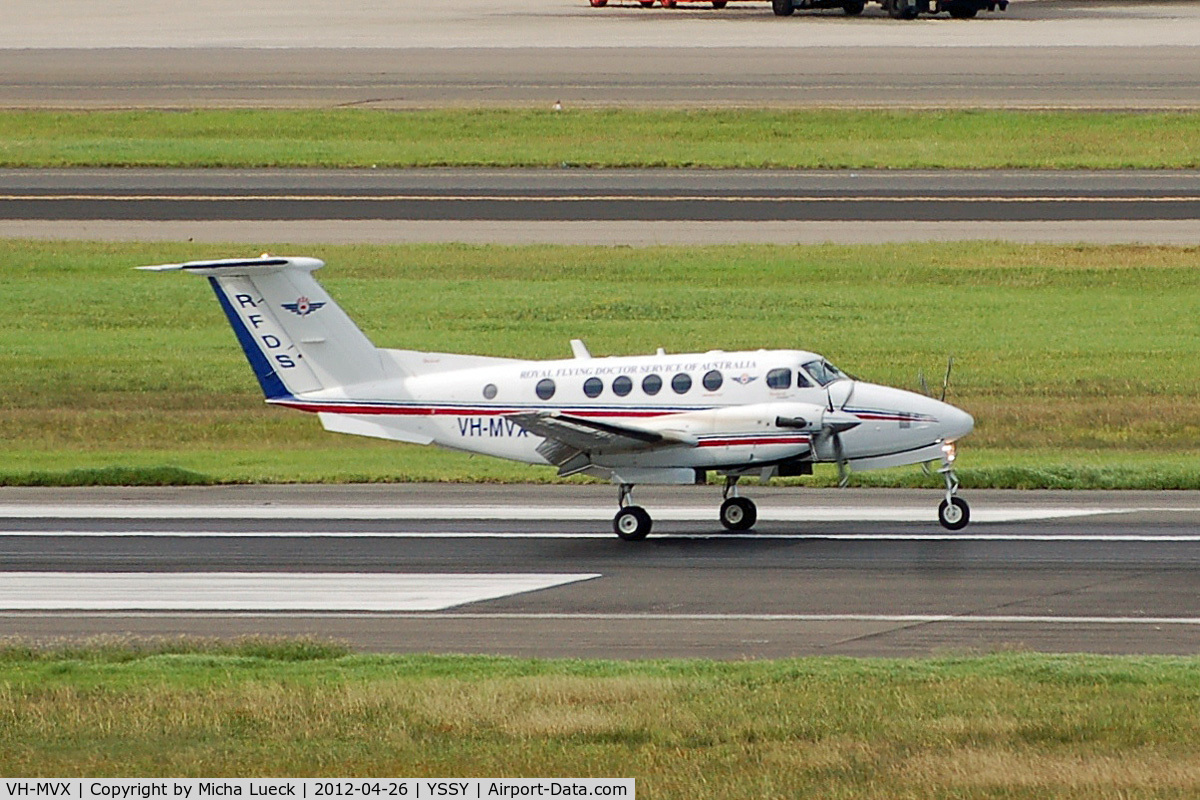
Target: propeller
925 391
945 380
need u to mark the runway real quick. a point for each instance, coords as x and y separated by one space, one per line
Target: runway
606 207
826 571
1071 53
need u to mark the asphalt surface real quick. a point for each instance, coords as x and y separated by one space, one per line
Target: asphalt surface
636 207
866 575
582 195
174 54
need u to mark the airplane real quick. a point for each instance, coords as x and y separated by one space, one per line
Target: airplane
645 419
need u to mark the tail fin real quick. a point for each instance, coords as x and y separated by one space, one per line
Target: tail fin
294 336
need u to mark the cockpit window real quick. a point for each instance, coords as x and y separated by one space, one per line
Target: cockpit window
823 372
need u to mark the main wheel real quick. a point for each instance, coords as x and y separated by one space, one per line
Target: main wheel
632 523
782 8
954 515
854 7
738 514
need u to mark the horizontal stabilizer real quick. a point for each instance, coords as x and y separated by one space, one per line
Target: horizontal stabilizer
241 266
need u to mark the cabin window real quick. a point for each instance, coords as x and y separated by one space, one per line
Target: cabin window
651 384
801 381
681 383
489 391
712 380
592 387
545 388
622 386
780 378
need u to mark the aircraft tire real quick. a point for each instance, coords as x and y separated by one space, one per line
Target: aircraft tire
783 8
954 515
738 514
632 524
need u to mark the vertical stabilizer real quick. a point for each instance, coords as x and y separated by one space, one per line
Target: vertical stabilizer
296 338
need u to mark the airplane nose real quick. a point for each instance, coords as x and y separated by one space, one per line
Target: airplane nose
956 423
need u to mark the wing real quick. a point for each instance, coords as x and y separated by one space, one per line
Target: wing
570 440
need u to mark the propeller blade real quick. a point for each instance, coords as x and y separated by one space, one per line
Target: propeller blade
946 380
921 382
840 455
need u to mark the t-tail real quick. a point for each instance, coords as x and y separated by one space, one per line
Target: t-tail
296 338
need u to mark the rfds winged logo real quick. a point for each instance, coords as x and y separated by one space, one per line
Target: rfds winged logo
744 378
302 307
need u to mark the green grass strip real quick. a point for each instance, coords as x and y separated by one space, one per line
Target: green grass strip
1013 725
821 139
1079 363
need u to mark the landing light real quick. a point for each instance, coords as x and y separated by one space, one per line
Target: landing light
949 452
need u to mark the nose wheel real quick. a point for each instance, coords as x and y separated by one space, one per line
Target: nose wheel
954 514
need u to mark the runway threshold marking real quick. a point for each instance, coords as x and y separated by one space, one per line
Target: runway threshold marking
698 513
262 591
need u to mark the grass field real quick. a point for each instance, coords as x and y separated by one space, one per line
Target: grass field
1012 725
972 139
1080 364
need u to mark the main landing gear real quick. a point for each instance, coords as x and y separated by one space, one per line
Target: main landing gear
632 523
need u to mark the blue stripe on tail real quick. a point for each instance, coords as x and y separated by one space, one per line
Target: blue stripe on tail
268 378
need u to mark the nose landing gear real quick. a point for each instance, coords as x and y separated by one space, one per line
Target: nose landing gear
953 513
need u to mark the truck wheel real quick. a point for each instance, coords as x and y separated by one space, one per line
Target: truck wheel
854 8
599 3
900 9
668 3
782 8
646 3
719 3
962 10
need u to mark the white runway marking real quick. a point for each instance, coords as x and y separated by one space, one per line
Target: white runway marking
895 619
701 512
258 591
751 536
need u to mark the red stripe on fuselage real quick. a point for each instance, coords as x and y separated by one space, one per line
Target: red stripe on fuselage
446 411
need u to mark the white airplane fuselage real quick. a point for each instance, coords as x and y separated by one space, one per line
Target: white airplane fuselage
735 424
